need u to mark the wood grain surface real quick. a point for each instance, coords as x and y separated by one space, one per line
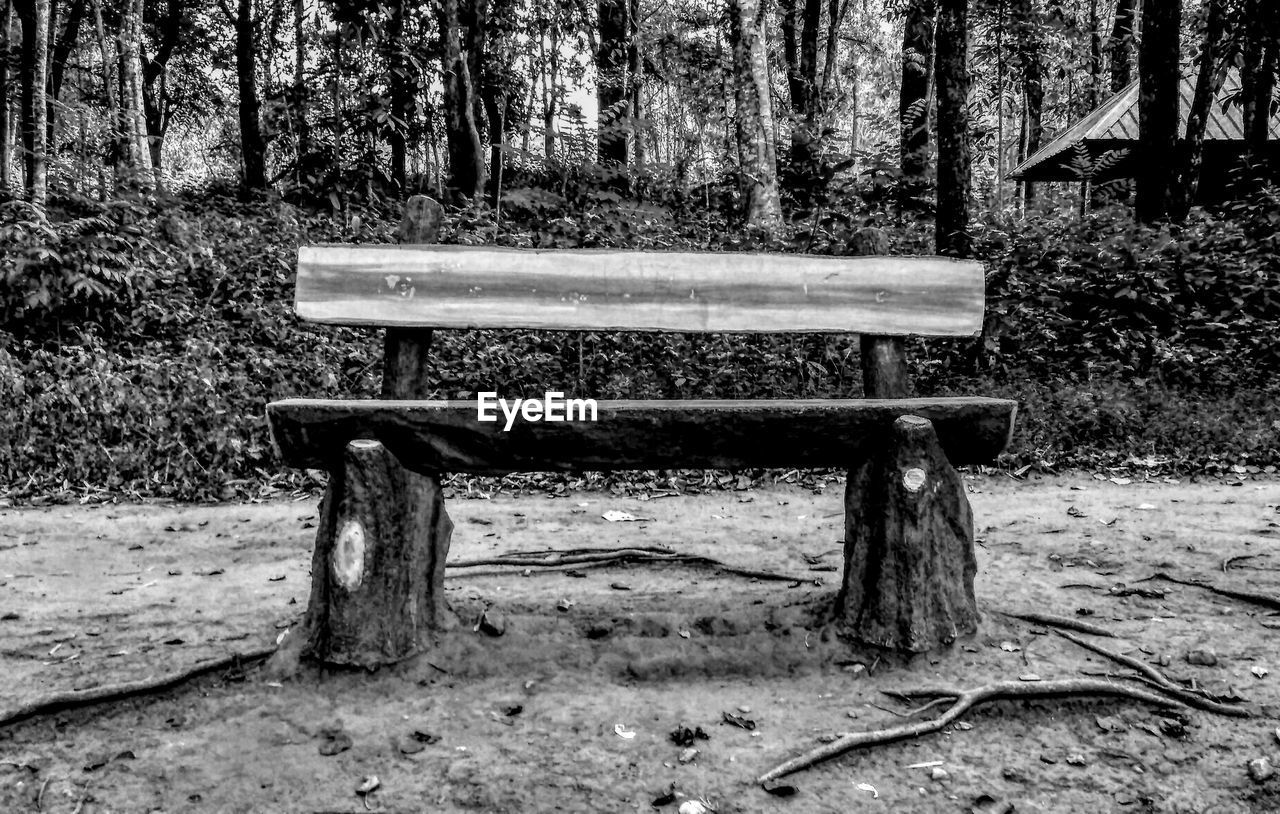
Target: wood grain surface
445 436
432 286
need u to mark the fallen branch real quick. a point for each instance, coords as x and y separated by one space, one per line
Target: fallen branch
553 554
1244 596
1160 680
1049 620
72 699
558 559
965 700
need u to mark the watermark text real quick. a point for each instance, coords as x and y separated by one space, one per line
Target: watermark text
552 407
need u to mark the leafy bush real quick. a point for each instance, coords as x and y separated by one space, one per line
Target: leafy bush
1121 343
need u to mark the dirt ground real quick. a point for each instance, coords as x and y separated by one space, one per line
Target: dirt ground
530 720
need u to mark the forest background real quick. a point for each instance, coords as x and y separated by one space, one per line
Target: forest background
161 161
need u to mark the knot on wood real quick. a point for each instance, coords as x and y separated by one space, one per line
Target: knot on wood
348 556
913 479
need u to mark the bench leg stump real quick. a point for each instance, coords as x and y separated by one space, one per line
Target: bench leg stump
909 559
377 574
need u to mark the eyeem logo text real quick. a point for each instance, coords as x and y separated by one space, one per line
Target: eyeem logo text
552 407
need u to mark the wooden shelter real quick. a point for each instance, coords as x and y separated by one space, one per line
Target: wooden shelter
1101 147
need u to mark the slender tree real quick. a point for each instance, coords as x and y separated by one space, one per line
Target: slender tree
1209 79
301 97
462 132
1120 44
914 96
33 66
1095 55
156 99
131 101
800 53
501 86
757 150
116 146
1261 62
1030 54
952 77
253 147
62 44
618 20
6 143
1159 75
401 79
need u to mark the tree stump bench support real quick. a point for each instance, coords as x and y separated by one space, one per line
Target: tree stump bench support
377 574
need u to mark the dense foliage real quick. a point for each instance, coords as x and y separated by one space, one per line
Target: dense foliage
139 342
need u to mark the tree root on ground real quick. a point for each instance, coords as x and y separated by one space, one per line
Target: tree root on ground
1157 679
595 557
1244 596
1049 620
965 700
72 699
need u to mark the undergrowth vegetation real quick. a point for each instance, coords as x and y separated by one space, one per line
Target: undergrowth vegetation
140 341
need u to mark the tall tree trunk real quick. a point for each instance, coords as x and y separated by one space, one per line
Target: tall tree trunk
952 72
549 61
1095 56
116 147
466 153
335 100
1029 50
155 84
33 63
63 45
401 80
1211 73
253 147
1258 74
754 114
800 53
636 91
132 102
497 84
6 141
301 94
1121 43
50 111
1159 76
613 77
913 99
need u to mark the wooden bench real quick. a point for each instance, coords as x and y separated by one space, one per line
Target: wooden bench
383 537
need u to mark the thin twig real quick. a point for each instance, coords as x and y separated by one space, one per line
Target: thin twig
40 796
72 699
886 709
1160 680
1050 620
925 707
965 700
1244 596
555 559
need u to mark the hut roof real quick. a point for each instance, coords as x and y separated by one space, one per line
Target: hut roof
1113 126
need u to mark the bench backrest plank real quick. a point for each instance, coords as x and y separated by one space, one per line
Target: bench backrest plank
433 286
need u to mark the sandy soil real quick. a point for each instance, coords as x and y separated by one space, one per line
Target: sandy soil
102 594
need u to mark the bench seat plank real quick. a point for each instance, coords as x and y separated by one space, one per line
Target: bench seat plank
433 286
446 436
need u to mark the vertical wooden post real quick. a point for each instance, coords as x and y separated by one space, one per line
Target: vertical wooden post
884 358
909 559
884 367
377 574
